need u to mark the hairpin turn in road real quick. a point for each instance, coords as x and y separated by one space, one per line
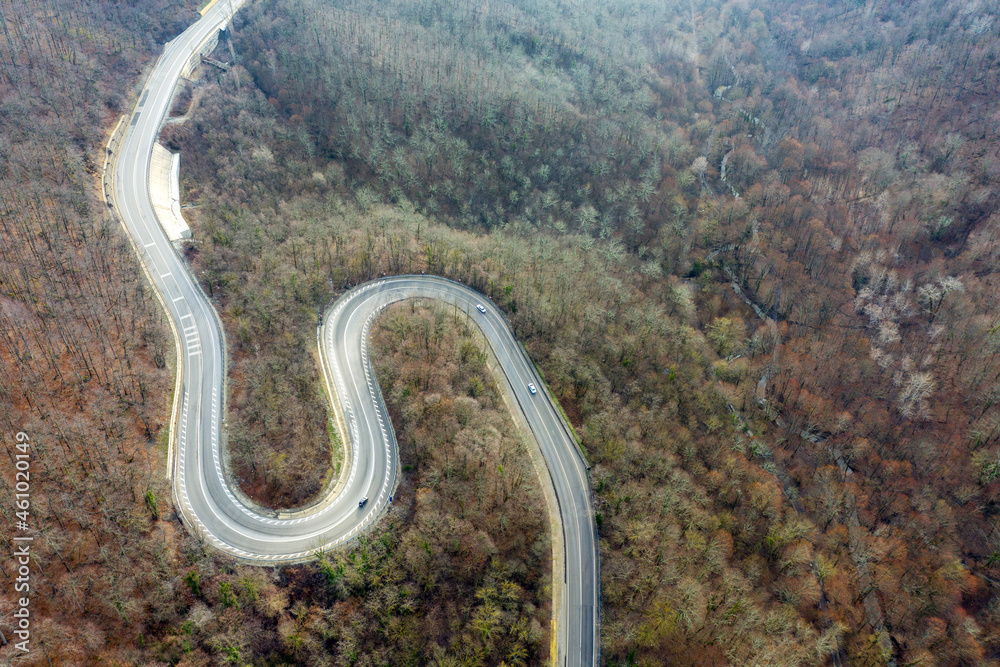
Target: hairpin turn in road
202 494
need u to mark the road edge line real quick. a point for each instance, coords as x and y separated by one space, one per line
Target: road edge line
108 183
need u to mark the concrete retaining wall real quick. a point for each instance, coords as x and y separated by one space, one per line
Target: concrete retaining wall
164 192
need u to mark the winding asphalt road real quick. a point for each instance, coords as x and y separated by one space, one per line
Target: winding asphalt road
202 494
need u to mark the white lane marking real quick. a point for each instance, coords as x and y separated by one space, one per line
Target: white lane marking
192 339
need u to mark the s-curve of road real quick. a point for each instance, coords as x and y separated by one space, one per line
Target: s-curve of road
204 497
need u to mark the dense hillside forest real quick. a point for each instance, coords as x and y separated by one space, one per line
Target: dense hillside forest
84 349
753 247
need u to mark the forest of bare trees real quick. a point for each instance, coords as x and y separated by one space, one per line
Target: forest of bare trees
752 247
84 351
819 160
